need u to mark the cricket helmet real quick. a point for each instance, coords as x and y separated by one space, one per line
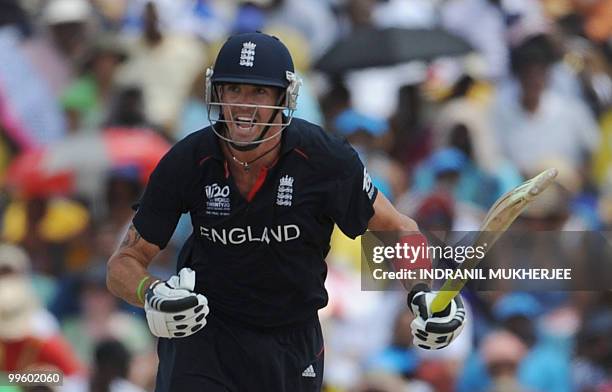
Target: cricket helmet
257 59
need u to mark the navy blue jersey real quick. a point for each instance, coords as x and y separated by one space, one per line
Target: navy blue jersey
259 259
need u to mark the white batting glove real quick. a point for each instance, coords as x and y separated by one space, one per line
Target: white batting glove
438 330
173 310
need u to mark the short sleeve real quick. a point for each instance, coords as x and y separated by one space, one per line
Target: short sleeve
163 201
352 196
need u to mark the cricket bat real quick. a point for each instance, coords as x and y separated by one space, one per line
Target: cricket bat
499 217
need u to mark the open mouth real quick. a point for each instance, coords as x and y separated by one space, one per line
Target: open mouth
244 123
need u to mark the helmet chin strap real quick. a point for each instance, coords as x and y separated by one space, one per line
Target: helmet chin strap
251 146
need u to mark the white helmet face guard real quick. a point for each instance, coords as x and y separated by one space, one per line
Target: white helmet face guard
290 104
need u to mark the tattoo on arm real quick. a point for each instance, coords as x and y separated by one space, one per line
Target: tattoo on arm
131 237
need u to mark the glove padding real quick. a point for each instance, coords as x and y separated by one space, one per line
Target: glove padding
438 330
173 310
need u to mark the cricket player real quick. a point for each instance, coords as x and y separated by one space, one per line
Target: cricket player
264 191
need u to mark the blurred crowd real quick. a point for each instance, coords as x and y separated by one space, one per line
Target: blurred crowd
94 92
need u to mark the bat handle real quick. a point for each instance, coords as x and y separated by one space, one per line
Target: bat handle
441 301
448 291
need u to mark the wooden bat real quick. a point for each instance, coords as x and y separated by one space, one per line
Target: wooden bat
499 217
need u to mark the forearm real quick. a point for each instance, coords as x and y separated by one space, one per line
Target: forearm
127 268
124 275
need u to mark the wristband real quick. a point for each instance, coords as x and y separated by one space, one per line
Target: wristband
139 289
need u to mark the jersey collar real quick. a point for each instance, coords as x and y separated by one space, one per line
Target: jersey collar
291 138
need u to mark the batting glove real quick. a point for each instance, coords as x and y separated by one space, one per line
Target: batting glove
173 310
438 330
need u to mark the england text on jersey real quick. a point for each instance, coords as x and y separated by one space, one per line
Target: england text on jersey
240 235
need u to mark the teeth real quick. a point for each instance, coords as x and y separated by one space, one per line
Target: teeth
243 122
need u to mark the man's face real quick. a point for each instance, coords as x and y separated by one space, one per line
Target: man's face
247 94
533 79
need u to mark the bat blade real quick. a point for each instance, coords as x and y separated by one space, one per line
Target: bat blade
499 217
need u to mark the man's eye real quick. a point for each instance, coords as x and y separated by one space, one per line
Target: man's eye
233 89
262 91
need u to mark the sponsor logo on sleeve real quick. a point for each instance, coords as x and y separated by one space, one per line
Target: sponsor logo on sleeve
368 187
